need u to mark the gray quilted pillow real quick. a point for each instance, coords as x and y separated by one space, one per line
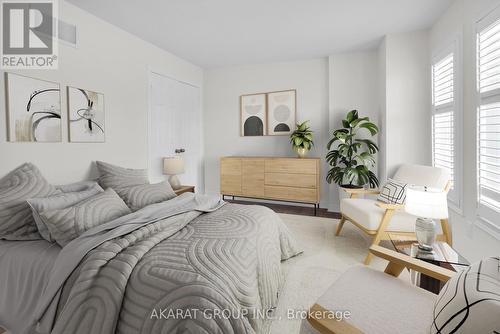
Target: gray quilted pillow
143 195
470 301
115 177
16 220
56 202
67 224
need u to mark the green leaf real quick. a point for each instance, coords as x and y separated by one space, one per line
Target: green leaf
357 121
370 145
370 127
351 116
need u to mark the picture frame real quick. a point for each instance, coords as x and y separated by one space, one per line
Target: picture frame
33 109
253 115
281 112
86 116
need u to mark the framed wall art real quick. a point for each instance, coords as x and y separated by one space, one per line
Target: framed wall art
253 115
33 109
281 112
85 116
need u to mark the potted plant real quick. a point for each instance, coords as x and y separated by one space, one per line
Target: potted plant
351 159
302 139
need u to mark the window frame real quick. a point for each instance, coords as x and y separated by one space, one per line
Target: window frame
454 46
486 216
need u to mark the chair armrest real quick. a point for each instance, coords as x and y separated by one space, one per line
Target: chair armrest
400 261
389 206
360 191
353 192
327 325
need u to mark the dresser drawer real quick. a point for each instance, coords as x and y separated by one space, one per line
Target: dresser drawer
293 166
291 180
292 194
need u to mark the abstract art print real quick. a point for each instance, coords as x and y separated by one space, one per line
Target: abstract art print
281 112
253 115
33 109
85 116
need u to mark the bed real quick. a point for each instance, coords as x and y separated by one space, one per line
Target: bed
192 264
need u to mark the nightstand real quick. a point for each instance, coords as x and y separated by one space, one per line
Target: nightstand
184 189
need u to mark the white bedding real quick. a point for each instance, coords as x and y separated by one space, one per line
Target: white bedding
24 270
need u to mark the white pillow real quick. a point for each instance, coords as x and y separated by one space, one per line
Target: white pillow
393 192
470 301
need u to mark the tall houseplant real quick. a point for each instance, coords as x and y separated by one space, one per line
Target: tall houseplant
302 139
352 158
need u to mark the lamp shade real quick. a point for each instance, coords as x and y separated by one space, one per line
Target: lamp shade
426 203
173 165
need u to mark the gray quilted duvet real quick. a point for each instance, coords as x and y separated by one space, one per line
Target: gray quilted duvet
188 265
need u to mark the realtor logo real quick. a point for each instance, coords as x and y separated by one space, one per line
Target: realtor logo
28 34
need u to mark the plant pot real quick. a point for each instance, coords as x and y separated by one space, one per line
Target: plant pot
301 152
343 194
351 186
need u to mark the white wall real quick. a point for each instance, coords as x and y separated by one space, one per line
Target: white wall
382 99
406 125
353 85
459 20
222 89
115 63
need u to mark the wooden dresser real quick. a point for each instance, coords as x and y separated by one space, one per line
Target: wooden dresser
282 179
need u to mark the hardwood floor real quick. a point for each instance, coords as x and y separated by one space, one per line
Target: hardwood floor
292 209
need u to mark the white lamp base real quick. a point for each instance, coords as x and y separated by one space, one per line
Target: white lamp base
425 229
174 182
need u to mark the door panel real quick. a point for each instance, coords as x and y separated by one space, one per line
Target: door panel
230 176
175 123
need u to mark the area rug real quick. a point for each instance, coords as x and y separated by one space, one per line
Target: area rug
308 276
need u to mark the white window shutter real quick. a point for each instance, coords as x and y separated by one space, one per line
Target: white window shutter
488 120
443 118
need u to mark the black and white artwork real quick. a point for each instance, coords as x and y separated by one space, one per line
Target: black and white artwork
33 109
253 115
85 116
281 112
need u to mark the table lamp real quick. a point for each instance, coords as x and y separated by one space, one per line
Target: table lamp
427 204
173 166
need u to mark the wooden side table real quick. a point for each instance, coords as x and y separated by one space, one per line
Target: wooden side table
184 189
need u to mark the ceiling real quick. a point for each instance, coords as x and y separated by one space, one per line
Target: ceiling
214 33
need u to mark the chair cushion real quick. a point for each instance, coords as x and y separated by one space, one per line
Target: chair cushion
470 301
366 213
419 175
378 303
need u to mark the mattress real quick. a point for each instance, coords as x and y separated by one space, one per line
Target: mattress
25 267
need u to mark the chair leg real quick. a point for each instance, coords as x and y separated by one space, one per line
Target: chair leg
380 233
445 226
340 225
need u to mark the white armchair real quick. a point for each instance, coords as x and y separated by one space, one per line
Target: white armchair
380 303
377 219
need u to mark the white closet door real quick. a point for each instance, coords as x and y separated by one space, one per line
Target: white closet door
175 123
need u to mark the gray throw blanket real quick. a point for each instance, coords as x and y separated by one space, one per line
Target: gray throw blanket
188 265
